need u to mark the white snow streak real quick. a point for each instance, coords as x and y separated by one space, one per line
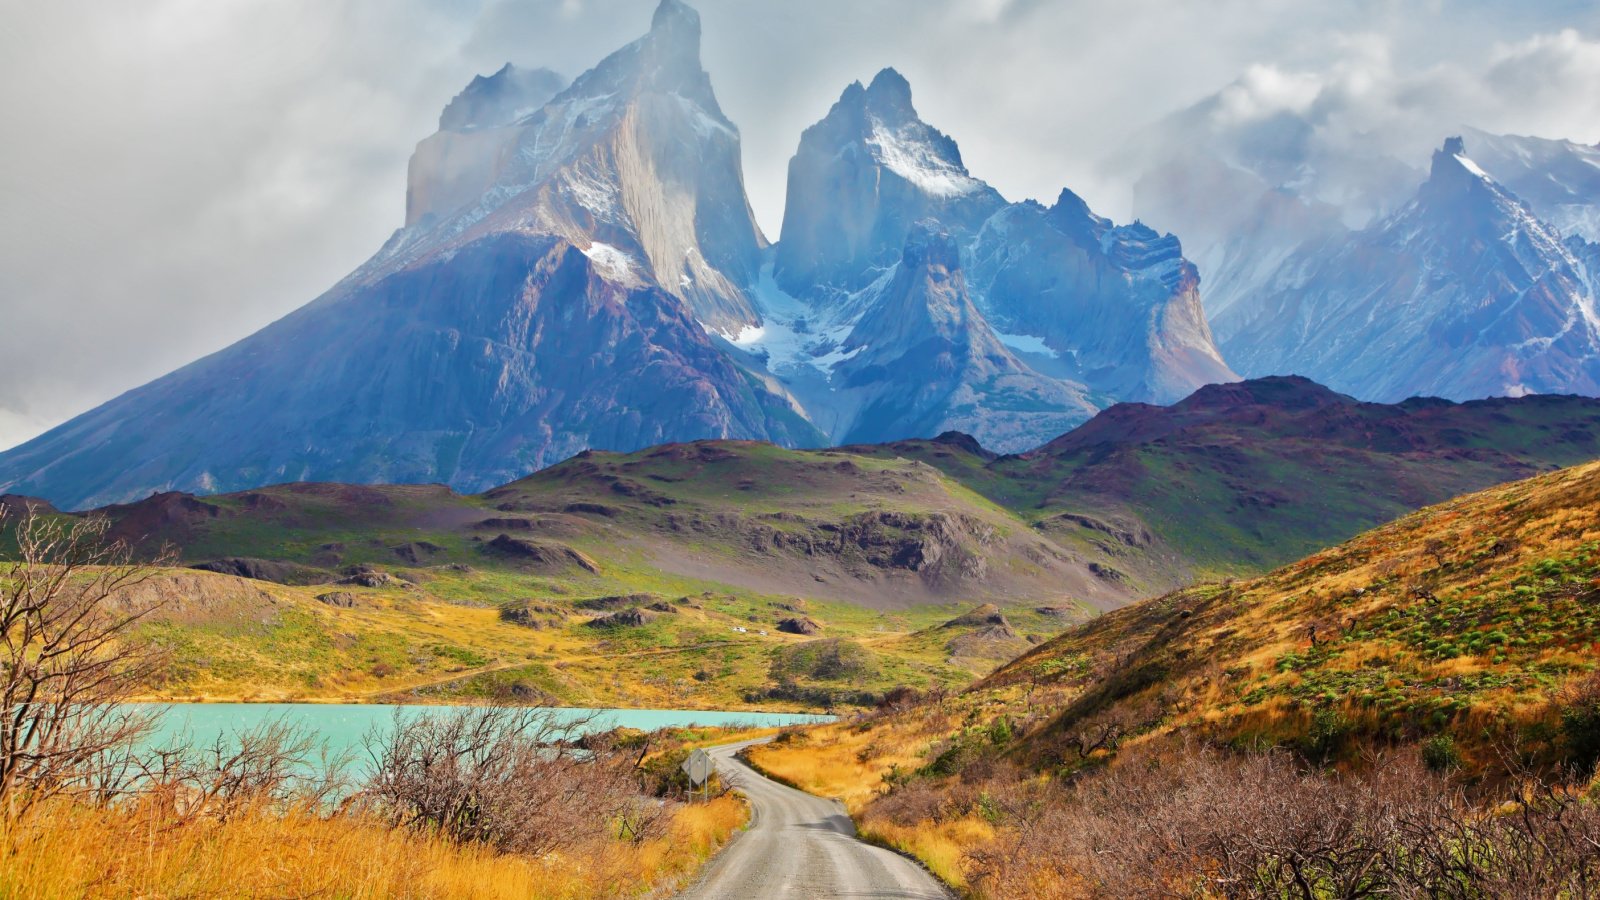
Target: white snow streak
916 162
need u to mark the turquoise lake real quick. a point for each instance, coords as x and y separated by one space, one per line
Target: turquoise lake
342 725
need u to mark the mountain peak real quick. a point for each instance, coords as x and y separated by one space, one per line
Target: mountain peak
887 98
677 20
665 60
490 101
890 89
1451 165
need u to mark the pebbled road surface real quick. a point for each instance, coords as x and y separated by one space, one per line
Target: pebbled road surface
801 846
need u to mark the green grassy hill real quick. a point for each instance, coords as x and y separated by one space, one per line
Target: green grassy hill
879 545
1239 478
657 578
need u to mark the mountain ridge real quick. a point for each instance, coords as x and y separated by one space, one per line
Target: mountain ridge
1462 293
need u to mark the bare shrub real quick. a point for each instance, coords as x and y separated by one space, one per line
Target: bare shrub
68 657
1201 822
1578 705
900 699
276 765
514 779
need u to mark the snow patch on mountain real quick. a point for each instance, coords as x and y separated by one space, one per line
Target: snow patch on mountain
919 163
794 336
612 263
1470 166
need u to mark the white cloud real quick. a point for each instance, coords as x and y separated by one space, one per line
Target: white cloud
1547 85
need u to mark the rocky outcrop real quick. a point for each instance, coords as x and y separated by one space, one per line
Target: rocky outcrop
936 546
801 625
276 571
985 634
983 616
542 556
616 602
627 618
533 614
417 552
371 577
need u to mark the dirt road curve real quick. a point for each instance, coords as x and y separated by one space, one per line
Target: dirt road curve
802 846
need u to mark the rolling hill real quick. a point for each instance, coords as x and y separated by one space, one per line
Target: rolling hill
1462 634
661 555
1239 478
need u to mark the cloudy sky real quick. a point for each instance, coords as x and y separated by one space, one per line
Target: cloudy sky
178 173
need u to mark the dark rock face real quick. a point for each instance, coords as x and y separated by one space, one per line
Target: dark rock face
276 571
340 599
799 625
925 361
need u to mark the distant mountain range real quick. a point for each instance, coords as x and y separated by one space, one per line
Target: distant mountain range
1463 292
1235 478
580 268
1476 277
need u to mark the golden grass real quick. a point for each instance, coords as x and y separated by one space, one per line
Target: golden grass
941 846
845 762
66 850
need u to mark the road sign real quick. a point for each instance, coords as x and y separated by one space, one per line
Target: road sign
698 767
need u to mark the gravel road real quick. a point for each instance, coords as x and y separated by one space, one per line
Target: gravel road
799 845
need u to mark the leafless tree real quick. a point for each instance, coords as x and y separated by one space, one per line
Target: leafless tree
69 658
517 779
273 765
1439 550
